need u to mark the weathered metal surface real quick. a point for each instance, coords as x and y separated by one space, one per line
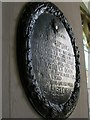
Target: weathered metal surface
48 60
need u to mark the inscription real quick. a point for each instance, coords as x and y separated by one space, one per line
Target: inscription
63 70
54 61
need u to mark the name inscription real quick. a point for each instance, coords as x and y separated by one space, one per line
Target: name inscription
61 69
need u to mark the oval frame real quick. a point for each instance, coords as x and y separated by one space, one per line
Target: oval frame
26 22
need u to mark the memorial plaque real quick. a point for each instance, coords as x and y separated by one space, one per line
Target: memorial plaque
48 60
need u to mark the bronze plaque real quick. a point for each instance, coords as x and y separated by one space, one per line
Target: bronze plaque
48 60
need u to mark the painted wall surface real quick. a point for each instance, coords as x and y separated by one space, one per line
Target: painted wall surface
15 103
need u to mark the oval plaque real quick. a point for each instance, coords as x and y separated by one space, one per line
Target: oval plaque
48 60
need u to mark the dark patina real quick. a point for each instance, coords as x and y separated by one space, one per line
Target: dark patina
48 60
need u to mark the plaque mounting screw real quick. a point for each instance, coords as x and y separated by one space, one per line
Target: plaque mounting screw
54 26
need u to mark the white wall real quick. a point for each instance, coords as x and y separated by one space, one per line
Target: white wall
15 103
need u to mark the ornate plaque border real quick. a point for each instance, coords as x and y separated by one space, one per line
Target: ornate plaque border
26 22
